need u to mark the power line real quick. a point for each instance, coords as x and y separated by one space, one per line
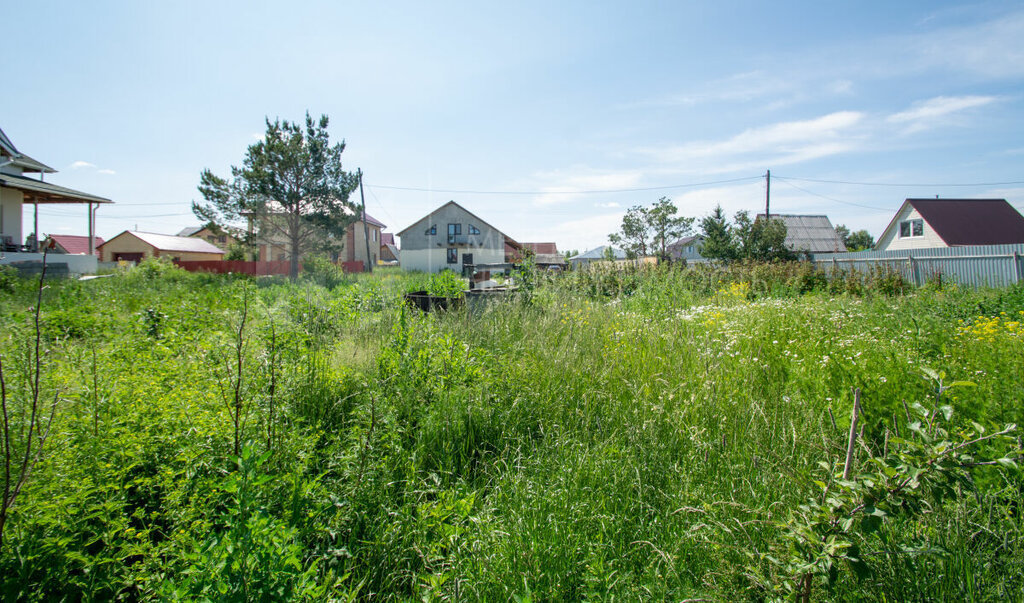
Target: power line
786 181
926 184
569 192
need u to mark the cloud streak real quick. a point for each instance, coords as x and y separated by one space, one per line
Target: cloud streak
85 165
931 113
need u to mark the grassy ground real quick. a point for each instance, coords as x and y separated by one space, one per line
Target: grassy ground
654 435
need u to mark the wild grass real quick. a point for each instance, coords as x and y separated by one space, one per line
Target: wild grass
640 435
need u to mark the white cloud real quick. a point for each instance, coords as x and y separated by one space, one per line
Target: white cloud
990 49
85 165
776 144
840 87
565 186
929 113
741 87
581 233
609 204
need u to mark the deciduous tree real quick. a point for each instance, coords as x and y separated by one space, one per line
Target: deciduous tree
650 230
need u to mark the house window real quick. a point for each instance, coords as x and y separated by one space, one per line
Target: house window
473 229
911 228
453 255
375 236
453 231
432 230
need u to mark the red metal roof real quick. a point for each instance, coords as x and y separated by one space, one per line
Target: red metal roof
77 244
972 221
539 248
371 220
387 238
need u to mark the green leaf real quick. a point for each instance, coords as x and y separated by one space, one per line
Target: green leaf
962 384
870 523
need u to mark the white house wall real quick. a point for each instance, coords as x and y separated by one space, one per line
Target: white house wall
436 260
428 253
10 214
891 240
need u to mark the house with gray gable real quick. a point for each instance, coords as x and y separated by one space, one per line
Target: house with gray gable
449 237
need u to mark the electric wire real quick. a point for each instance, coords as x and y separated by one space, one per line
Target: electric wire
910 184
788 183
566 192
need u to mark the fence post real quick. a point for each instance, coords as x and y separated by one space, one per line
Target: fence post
1016 267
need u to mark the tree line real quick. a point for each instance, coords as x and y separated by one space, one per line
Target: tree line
652 231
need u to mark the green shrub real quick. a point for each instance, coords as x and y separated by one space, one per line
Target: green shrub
446 284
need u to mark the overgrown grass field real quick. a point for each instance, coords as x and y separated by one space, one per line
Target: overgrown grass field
663 434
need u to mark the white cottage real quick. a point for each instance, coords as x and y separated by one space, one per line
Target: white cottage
930 223
449 237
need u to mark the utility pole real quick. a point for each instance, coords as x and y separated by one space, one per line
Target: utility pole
767 192
366 225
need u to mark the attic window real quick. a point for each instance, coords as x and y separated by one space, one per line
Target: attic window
432 230
473 229
911 228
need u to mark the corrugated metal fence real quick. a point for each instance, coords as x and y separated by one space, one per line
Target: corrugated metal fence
975 265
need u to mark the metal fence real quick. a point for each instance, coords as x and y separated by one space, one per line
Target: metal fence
975 265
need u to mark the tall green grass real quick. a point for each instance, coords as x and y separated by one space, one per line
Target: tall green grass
637 435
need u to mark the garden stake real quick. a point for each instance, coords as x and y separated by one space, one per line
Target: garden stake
848 468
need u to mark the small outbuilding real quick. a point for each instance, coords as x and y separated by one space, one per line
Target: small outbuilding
134 246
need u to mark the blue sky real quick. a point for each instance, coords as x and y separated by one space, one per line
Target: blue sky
550 101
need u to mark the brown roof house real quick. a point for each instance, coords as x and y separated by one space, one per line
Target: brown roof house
545 255
220 239
354 248
389 252
930 223
134 246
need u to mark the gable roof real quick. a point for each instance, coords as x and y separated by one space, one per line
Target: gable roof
690 240
370 220
171 243
541 248
970 221
20 159
508 239
387 238
7 146
76 244
44 192
188 231
810 233
597 253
